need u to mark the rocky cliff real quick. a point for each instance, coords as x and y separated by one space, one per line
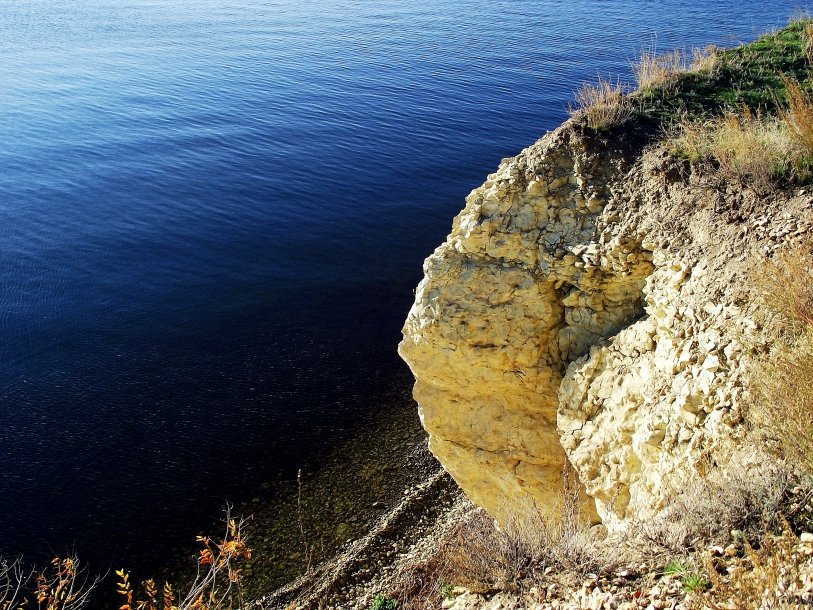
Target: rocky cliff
588 313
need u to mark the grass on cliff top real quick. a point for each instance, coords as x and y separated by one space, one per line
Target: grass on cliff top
672 88
742 115
751 76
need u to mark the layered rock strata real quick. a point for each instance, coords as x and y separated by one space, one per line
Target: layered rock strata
585 311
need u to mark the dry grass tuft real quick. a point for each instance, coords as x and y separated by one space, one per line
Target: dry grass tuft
788 285
602 105
659 71
784 384
705 60
749 150
799 114
807 38
753 150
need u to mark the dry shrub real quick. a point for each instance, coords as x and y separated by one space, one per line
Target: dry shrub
475 554
13 580
653 70
65 585
62 585
602 104
418 586
784 383
799 114
482 556
777 576
217 585
752 493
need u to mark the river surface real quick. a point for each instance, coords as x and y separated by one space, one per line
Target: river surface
212 217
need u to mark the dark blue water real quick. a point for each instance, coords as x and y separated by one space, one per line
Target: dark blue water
213 214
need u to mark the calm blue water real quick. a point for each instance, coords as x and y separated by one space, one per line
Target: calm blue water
213 214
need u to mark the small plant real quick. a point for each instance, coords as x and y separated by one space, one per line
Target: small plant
691 579
447 591
674 568
383 602
602 104
693 582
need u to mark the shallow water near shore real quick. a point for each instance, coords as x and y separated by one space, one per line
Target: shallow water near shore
214 215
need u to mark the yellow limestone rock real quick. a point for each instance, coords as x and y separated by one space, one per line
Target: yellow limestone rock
533 274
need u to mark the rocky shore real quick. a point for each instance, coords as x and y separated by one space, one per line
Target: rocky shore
404 534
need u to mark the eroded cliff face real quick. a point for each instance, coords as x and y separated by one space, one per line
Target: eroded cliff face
586 311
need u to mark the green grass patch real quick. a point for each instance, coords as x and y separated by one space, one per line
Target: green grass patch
383 602
750 76
691 579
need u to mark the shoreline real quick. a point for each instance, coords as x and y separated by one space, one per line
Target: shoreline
365 567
